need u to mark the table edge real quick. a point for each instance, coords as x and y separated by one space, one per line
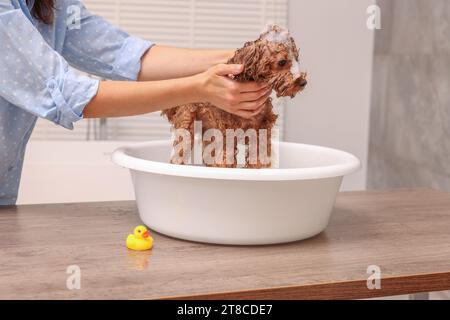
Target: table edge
352 289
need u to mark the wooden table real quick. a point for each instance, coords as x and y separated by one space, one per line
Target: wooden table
404 232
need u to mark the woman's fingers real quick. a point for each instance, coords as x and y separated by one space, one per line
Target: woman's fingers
259 109
227 69
248 113
252 96
253 105
242 98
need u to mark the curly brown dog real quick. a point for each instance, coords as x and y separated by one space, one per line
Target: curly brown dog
271 59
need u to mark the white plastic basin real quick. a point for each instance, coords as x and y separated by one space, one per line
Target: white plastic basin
237 206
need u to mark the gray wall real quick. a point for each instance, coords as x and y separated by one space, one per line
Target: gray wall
409 143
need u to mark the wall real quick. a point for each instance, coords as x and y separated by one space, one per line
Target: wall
333 111
73 171
410 114
336 50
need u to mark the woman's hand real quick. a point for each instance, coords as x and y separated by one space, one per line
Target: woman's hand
126 98
243 99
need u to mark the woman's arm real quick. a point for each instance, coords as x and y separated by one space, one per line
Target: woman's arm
123 98
164 62
34 77
100 48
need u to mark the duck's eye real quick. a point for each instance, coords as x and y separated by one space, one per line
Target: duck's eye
139 231
282 63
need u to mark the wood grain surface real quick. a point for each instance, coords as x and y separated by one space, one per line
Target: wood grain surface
404 232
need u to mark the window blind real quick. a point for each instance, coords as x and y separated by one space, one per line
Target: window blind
183 23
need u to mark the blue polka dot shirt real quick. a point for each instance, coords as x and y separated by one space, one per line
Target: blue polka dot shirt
35 78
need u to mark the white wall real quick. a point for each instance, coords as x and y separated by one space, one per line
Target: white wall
73 171
336 51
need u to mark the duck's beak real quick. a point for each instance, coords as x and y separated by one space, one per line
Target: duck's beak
145 235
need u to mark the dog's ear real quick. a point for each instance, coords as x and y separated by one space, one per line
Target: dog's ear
294 49
251 56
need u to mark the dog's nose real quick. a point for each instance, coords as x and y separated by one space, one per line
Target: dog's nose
301 82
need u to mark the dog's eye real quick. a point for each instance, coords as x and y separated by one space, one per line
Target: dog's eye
282 63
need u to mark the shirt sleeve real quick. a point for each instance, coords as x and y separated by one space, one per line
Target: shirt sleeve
95 46
36 78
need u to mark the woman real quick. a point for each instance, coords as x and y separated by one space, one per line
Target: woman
40 38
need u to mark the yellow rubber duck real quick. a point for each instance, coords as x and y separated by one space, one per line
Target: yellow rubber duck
140 240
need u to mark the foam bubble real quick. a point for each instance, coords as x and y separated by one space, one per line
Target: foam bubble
295 68
278 34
